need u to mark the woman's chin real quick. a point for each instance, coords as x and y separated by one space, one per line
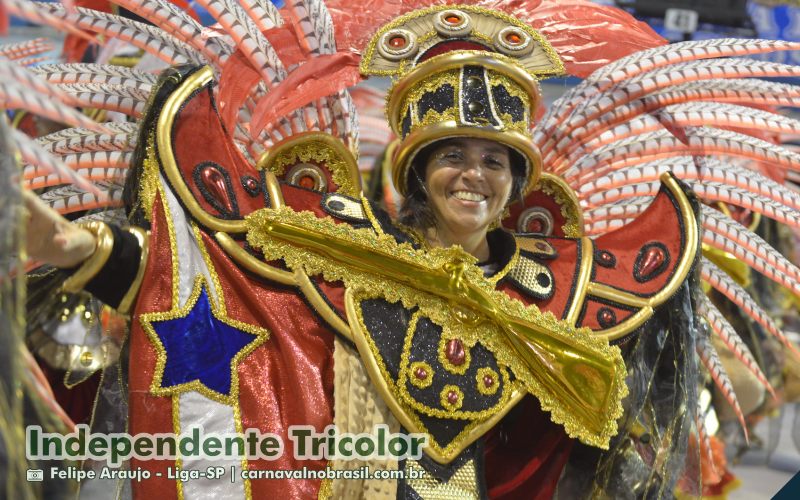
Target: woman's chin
468 224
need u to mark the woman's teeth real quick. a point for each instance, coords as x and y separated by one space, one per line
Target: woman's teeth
469 196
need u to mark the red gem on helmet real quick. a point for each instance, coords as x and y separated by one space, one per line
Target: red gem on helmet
513 38
397 42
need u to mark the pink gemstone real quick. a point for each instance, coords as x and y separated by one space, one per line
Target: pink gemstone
421 373
215 183
452 397
397 42
653 258
454 350
488 381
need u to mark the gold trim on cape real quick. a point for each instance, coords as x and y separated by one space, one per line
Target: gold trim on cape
166 155
319 147
648 304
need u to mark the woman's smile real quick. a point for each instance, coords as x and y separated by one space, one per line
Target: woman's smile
469 196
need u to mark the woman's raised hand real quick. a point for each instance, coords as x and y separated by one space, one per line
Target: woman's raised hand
53 239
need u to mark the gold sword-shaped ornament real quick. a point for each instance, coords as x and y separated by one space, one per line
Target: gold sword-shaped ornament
583 373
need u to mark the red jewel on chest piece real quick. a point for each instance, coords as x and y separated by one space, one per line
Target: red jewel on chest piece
455 353
652 260
452 397
606 316
488 381
421 373
214 182
453 19
251 184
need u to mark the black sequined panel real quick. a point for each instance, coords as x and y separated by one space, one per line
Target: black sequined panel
507 103
387 324
438 100
475 104
443 430
425 347
475 376
405 126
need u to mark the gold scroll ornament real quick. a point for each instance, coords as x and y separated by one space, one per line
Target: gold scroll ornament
578 378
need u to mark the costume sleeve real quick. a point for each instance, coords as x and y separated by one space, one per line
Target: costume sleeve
116 279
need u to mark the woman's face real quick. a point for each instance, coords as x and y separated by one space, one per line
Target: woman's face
468 182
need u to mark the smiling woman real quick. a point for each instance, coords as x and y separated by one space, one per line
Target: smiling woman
270 294
458 188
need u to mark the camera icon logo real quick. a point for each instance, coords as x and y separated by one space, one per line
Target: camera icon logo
35 475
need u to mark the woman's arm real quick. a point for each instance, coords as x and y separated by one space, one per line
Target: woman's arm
103 259
53 239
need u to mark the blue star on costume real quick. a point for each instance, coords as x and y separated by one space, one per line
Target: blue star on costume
199 347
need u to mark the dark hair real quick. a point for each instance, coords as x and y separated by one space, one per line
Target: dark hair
415 210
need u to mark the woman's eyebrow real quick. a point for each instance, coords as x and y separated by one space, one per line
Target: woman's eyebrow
496 150
460 143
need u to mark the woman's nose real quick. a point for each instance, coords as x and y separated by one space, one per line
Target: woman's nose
474 170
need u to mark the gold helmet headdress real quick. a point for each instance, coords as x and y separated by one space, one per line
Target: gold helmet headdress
461 71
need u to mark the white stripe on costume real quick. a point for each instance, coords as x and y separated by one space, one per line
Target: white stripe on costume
195 409
213 417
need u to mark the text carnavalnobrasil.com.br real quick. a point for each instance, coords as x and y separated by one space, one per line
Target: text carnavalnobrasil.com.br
233 473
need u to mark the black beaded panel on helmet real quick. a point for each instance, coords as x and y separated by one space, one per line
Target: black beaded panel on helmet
462 71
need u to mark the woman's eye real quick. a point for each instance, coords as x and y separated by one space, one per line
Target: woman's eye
453 156
493 162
